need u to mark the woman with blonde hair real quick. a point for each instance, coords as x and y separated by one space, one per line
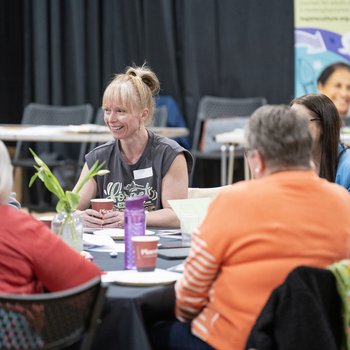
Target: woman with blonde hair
140 161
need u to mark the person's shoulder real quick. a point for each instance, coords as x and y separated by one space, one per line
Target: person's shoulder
103 148
345 156
102 151
338 190
159 140
241 190
13 201
8 211
25 223
169 145
343 169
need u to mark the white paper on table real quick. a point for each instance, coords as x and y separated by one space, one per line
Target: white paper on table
195 206
101 243
168 232
177 268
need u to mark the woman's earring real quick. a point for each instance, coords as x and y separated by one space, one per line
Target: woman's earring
257 170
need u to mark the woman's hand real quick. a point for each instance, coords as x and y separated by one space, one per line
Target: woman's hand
93 218
113 219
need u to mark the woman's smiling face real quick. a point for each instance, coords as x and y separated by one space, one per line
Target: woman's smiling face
122 122
337 88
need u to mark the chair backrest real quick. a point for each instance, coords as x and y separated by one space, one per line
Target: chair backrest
212 107
160 117
40 114
99 117
213 126
51 320
99 120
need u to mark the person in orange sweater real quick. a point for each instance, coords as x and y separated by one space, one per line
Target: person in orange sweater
254 234
34 259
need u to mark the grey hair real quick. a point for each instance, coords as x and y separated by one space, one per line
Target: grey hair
281 136
6 179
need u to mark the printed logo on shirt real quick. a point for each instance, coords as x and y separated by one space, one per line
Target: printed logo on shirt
118 193
143 173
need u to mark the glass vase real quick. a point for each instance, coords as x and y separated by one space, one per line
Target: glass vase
69 227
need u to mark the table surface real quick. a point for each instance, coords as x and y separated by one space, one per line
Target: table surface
72 133
129 310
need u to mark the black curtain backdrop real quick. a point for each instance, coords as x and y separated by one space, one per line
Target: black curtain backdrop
11 61
65 52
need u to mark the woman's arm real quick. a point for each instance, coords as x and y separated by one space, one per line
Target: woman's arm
91 218
193 287
174 186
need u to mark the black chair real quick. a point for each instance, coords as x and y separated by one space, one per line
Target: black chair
99 117
304 312
67 157
216 115
51 320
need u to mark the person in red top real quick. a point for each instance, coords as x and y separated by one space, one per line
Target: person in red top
34 259
254 234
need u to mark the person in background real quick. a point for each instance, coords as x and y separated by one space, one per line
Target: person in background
140 161
34 259
330 158
334 82
13 201
254 234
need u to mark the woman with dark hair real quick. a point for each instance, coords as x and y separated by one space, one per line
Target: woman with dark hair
334 82
331 158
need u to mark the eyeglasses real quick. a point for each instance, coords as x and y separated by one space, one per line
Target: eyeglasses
314 119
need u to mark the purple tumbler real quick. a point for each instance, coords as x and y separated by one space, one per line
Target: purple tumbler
135 225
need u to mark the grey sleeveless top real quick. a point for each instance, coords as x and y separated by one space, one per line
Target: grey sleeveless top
143 177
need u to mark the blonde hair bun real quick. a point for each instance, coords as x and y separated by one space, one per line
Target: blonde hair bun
146 76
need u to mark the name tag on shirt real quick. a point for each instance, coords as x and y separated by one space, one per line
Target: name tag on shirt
143 173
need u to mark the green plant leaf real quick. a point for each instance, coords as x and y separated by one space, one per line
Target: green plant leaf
95 170
32 179
73 199
61 205
69 200
102 172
